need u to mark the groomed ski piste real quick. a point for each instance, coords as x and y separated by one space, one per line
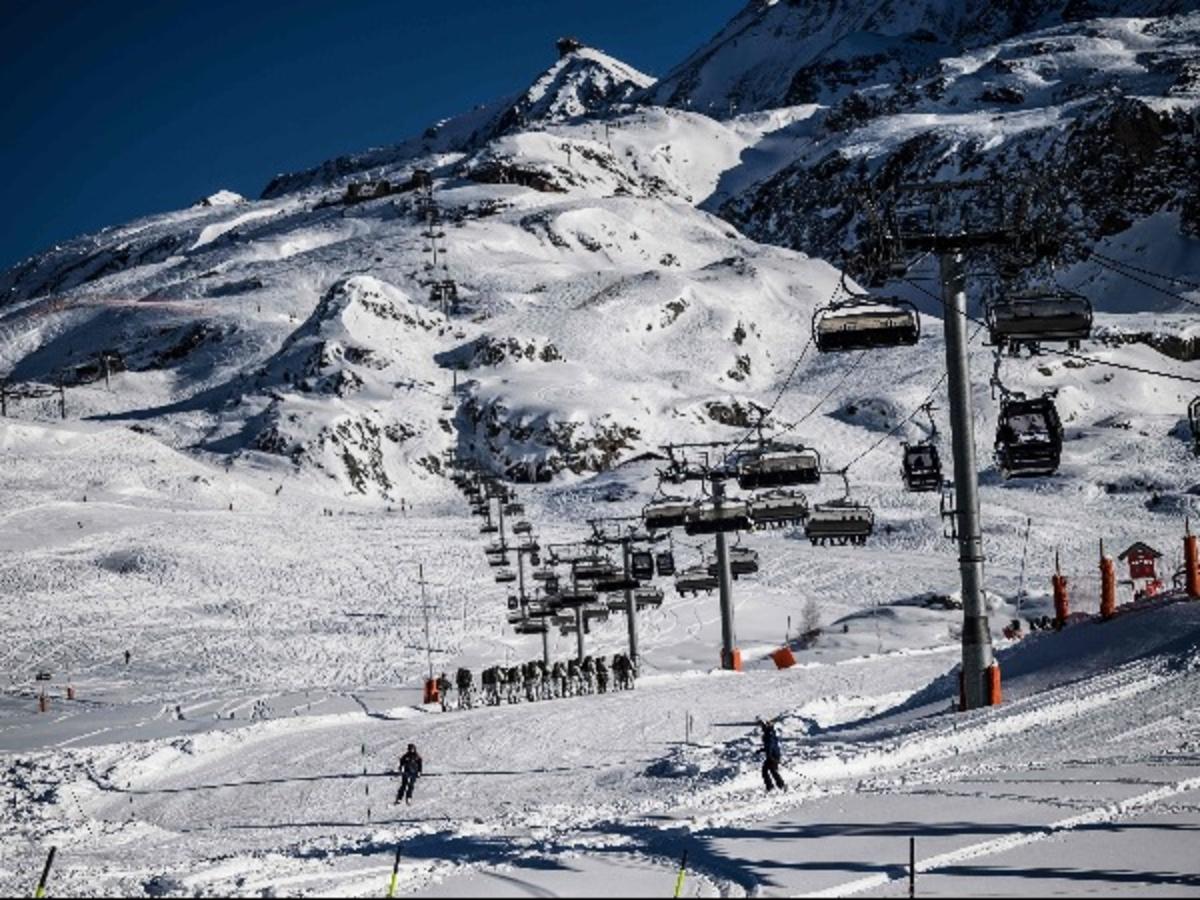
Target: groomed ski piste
245 505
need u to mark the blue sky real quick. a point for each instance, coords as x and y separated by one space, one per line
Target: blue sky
116 109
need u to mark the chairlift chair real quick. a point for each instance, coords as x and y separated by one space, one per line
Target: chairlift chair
742 561
522 527
594 568
596 614
611 584
777 509
516 617
539 610
641 565
544 574
648 597
693 580
1039 317
866 324
707 518
506 576
779 468
664 563
1029 437
528 627
513 508
667 513
488 528
616 604
575 597
839 522
921 467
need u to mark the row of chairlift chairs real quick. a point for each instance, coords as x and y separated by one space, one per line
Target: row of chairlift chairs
1029 436
592 573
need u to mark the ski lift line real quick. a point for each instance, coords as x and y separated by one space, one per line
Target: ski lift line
1073 355
1144 271
1144 283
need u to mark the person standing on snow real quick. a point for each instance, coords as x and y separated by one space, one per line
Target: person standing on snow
410 770
443 686
772 750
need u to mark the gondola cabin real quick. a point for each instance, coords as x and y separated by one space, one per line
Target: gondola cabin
778 509
921 468
1032 319
779 468
1194 421
641 565
664 563
708 518
866 325
662 514
839 522
1029 438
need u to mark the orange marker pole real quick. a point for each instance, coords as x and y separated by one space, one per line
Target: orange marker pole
1062 599
1108 585
1191 563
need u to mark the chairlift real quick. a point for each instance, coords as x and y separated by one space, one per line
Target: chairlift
539 611
488 528
664 563
593 568
617 604
667 513
777 509
921 467
447 404
779 468
611 584
522 527
1039 317
528 627
693 580
506 576
1029 437
514 508
839 522
544 574
866 323
648 597
708 518
596 614
575 597
742 561
641 565
516 617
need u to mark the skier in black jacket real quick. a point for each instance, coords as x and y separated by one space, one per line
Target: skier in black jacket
773 753
410 770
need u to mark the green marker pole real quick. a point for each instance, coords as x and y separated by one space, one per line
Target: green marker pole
41 887
395 873
682 870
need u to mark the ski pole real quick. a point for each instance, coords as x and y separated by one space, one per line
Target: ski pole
682 870
395 872
41 887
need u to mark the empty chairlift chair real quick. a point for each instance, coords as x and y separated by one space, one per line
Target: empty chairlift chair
531 627
921 468
707 518
514 508
693 580
839 522
779 467
641 565
506 576
667 513
522 527
866 324
1036 318
648 597
1029 438
777 509
742 561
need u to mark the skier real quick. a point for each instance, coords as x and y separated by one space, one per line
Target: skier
601 675
773 754
465 682
443 686
410 770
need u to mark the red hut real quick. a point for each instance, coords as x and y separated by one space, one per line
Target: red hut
1142 572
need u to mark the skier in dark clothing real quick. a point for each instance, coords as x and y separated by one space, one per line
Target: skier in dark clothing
410 770
773 755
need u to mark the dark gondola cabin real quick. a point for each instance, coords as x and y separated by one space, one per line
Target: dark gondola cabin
641 565
1194 421
1029 438
866 325
921 468
1032 319
664 563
